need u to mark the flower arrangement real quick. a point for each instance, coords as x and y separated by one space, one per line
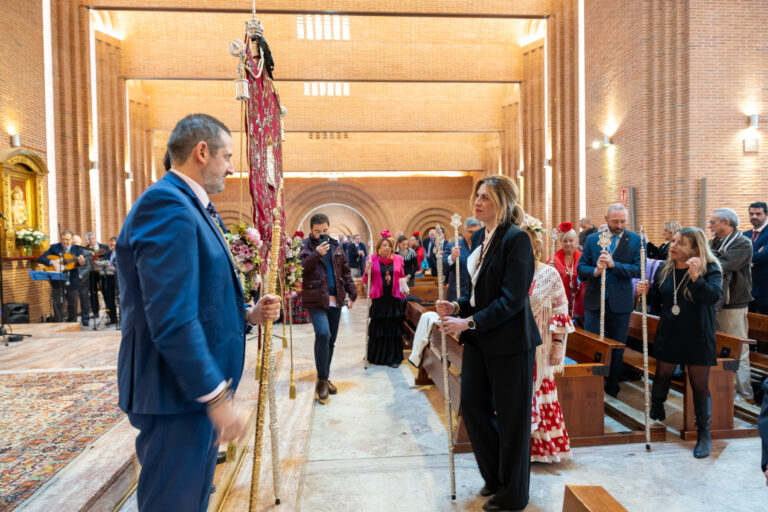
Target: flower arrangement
292 267
244 244
533 224
29 237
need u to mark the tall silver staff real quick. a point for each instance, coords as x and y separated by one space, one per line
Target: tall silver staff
645 345
439 239
368 316
553 235
456 222
604 242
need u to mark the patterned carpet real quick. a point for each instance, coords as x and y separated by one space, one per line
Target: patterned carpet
46 419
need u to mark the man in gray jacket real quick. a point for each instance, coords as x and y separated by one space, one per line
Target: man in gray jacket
735 254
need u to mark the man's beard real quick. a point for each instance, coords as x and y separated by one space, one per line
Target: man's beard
756 223
211 183
616 231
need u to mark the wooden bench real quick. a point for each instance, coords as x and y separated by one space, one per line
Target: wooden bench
425 281
758 330
427 294
589 498
720 381
582 399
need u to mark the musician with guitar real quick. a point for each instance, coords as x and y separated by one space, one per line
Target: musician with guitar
64 257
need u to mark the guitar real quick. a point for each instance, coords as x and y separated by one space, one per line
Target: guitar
67 262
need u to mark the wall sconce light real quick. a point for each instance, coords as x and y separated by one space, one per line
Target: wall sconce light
15 140
751 138
607 141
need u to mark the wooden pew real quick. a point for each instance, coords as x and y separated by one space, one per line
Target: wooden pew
589 498
582 398
431 372
426 281
427 294
720 381
758 330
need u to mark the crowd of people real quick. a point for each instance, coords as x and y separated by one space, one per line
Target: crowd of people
88 272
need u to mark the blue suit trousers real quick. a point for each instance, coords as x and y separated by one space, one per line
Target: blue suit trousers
177 453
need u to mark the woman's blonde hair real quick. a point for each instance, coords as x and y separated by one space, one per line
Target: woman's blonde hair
698 240
390 241
532 226
505 197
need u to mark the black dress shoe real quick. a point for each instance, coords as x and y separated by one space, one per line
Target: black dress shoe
491 506
487 491
221 457
213 489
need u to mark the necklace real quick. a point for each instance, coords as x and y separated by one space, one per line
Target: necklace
675 307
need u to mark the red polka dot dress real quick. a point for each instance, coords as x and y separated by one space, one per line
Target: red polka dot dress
549 438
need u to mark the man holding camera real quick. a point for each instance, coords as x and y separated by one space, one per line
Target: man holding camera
327 282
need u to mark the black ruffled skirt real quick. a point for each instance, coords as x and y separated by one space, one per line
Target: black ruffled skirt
385 332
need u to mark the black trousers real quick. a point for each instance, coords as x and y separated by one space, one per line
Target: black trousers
496 395
59 299
93 288
108 289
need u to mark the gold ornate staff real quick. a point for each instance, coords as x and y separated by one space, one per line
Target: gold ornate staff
440 237
646 391
604 242
267 359
292 389
456 222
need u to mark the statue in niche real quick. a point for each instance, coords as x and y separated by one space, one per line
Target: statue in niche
19 211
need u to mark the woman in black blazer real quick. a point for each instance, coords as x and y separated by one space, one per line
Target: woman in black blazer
684 293
500 336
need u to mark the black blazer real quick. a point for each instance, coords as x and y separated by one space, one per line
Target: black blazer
505 322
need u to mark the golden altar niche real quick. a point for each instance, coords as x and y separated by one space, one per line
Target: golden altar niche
22 177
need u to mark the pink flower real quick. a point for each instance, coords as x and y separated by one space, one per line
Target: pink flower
291 268
252 234
247 266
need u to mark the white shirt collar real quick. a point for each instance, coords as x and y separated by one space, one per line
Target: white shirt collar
195 186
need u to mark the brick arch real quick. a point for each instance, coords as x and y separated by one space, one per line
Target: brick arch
311 196
426 219
230 216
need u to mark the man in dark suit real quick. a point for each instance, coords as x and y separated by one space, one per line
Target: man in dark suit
356 255
109 281
69 289
758 217
587 228
429 251
462 252
96 250
183 343
621 263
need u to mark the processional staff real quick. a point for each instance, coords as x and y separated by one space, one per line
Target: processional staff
604 242
553 235
267 375
456 222
644 301
439 239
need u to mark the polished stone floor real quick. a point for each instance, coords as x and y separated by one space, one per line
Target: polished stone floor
381 444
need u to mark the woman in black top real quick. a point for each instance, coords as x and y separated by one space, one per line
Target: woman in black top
500 336
410 261
684 293
662 252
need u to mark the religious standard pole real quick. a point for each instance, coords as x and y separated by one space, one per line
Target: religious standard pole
553 235
644 302
604 242
456 222
267 360
440 238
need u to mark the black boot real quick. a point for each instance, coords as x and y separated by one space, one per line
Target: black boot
658 397
703 410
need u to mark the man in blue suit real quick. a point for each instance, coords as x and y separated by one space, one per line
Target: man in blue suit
183 343
758 217
462 252
621 263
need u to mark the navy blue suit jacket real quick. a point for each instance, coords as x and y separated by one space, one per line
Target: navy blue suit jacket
759 263
619 294
182 304
450 270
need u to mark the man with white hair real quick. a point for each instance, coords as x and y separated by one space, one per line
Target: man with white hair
735 254
621 263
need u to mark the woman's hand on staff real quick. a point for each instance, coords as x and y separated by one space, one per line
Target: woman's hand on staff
694 267
445 308
453 325
643 287
556 353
